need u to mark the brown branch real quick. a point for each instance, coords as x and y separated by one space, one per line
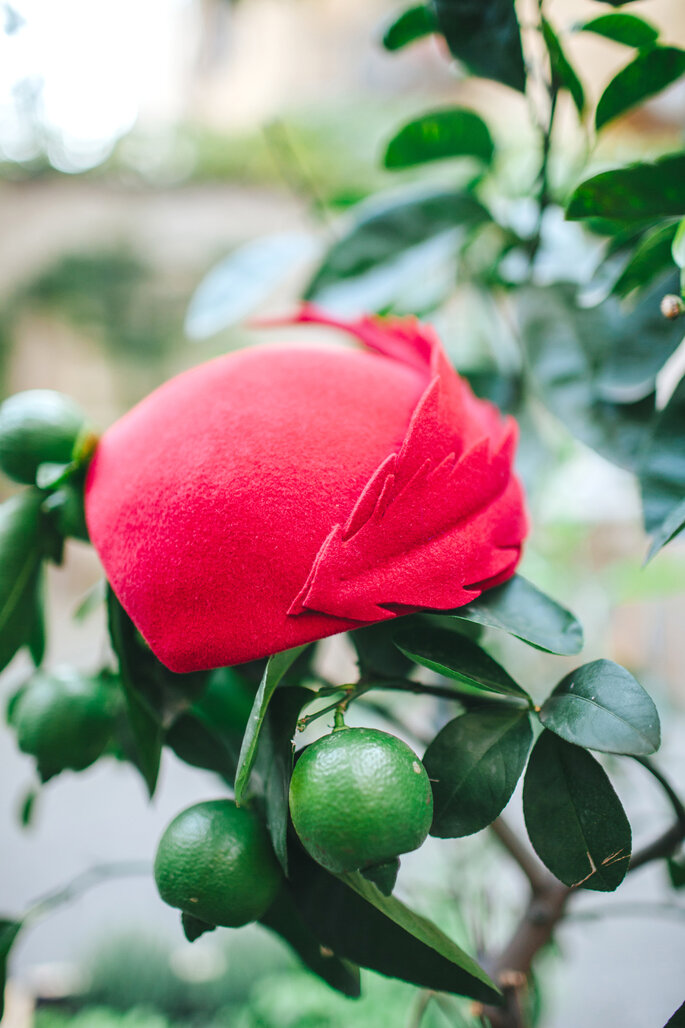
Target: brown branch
538 877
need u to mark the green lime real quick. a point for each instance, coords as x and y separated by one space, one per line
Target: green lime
37 427
359 798
215 862
63 719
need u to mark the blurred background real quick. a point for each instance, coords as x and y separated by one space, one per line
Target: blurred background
139 145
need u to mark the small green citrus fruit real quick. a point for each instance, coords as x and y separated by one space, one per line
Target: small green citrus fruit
359 798
63 719
37 427
215 862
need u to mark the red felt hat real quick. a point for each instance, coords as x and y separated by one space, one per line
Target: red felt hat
285 493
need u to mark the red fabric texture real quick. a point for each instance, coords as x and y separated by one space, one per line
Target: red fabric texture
284 493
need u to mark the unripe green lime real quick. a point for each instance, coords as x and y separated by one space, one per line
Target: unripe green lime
215 862
64 719
37 427
359 798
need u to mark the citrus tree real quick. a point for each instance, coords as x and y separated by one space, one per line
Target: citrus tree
307 840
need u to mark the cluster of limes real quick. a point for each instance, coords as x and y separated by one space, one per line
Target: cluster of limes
358 799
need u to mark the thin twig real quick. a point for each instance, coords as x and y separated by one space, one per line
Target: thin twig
538 878
84 881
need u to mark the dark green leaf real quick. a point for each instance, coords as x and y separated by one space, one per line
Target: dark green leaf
563 73
617 3
382 236
453 132
678 1019
662 468
377 655
676 872
520 609
486 37
351 917
36 639
650 259
195 742
650 72
28 808
668 530
274 672
636 192
601 706
678 247
284 918
411 24
474 764
574 818
193 927
8 933
622 28
20 562
239 283
384 875
273 764
455 657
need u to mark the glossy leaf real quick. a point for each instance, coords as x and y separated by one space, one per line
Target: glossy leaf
455 657
285 920
276 668
384 234
20 562
474 763
563 73
196 743
377 655
650 259
574 818
8 933
411 24
662 468
486 37
678 248
636 192
351 917
452 132
601 706
273 764
628 29
520 609
240 282
668 530
650 72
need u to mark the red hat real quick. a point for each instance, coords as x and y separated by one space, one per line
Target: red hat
284 493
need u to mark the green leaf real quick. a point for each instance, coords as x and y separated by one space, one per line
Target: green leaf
285 920
36 639
196 743
574 818
563 73
8 933
617 3
601 706
678 1019
636 192
411 24
240 282
20 563
377 655
194 927
650 258
676 872
274 762
28 808
474 764
662 467
452 655
452 132
628 29
275 669
520 609
351 917
678 247
486 37
650 72
383 237
669 529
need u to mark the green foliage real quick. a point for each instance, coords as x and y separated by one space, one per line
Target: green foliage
563 73
628 29
648 73
602 707
453 132
638 192
574 818
21 552
9 929
411 24
485 37
678 1019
